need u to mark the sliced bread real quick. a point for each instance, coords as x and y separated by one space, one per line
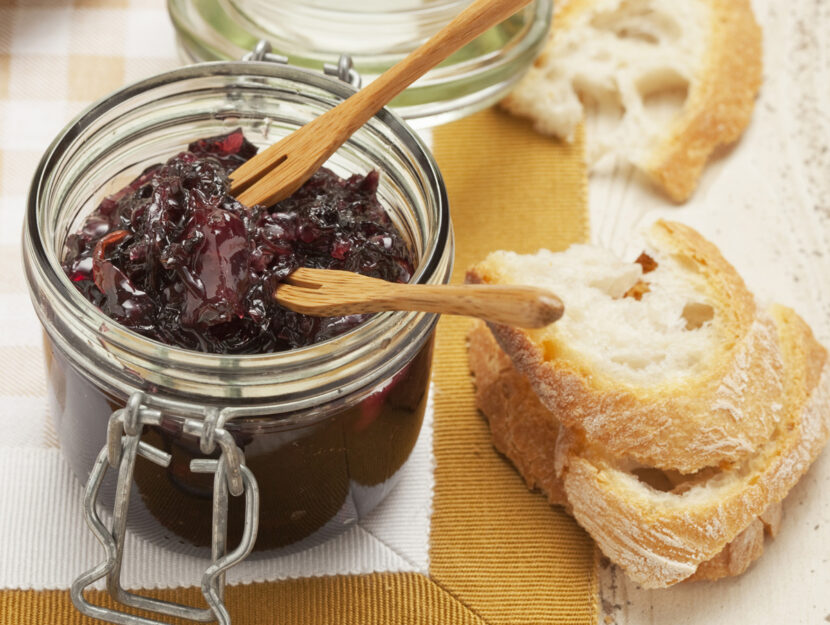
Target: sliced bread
662 536
668 360
662 527
619 53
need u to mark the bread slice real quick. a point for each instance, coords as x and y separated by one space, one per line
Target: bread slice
673 366
526 433
522 428
618 53
661 536
716 519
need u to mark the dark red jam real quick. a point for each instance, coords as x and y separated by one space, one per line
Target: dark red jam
174 257
316 477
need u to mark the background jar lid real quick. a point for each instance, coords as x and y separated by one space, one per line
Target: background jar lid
376 35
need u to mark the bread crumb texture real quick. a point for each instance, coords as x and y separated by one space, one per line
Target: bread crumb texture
688 376
662 537
662 527
630 58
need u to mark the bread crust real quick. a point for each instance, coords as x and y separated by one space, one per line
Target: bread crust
521 427
735 557
713 419
662 538
525 431
718 106
743 550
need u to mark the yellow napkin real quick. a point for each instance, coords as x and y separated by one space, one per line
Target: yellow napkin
500 549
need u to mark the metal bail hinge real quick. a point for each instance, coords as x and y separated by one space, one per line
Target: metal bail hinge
230 476
344 70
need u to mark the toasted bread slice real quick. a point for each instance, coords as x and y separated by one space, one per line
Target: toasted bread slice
667 361
661 536
620 52
522 428
719 516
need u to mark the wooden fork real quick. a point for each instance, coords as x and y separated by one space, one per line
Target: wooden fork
278 171
329 292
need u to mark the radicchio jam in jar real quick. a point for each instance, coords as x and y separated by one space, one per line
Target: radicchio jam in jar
325 427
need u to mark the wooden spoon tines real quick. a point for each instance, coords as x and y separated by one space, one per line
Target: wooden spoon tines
278 171
328 292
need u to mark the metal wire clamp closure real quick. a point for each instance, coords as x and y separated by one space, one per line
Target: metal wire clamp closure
344 70
230 476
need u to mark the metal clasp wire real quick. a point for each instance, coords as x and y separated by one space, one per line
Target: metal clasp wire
230 476
344 70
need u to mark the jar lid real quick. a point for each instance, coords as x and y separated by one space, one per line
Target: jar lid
376 35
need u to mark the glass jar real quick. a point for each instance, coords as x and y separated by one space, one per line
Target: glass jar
376 35
325 429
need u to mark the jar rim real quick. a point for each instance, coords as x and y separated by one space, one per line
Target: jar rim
463 84
124 340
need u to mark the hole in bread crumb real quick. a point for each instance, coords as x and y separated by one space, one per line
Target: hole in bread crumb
638 290
637 361
674 482
630 33
550 350
696 314
655 478
638 20
603 107
663 105
646 262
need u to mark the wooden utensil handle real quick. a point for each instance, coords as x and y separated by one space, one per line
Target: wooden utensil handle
522 306
278 171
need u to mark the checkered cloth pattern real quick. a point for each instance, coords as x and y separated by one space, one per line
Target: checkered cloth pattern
56 56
